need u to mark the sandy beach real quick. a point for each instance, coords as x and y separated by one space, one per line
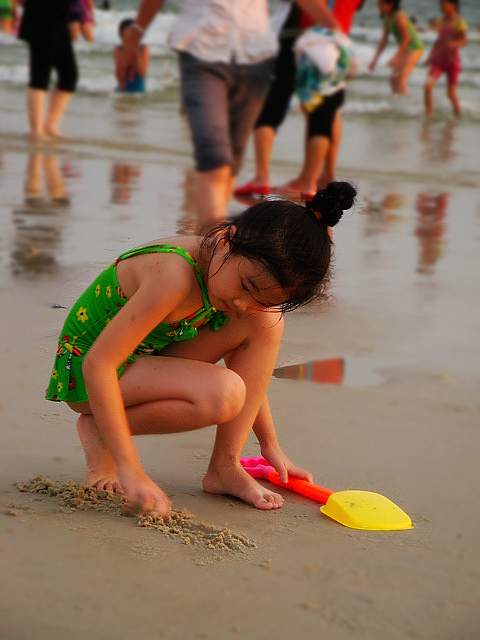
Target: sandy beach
402 420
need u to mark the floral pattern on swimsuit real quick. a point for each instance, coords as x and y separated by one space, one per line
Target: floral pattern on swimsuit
95 309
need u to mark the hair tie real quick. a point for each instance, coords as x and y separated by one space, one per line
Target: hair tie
309 206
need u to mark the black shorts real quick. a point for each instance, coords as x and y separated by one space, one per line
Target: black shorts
53 53
222 102
320 121
281 89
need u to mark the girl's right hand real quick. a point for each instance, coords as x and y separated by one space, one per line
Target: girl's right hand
394 61
371 66
143 495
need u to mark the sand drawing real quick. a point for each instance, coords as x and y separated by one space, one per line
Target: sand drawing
180 525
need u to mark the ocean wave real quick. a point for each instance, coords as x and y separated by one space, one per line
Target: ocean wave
107 85
371 91
366 107
8 40
106 32
14 74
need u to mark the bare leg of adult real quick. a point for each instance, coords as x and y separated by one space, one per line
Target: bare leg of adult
211 195
263 139
229 191
56 108
74 30
317 150
295 186
35 109
329 166
87 32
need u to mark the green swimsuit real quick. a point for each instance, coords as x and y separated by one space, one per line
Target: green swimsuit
94 310
415 43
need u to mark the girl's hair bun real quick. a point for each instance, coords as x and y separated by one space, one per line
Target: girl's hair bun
329 204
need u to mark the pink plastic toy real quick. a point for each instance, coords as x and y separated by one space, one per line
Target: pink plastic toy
260 469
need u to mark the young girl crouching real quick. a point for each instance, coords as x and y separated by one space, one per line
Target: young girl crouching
139 349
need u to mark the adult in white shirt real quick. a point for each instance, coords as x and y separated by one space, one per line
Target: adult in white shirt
226 50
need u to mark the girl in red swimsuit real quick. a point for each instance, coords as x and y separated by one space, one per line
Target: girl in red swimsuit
445 55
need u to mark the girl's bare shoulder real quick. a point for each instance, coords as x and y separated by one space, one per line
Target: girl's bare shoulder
160 271
189 243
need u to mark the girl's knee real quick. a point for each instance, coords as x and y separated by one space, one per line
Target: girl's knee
80 407
226 398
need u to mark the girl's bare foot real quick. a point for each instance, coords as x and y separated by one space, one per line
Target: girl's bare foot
101 468
235 481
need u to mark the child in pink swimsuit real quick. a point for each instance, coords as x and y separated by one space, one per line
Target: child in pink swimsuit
445 55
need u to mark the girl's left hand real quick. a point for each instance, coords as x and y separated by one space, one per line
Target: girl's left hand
393 62
284 467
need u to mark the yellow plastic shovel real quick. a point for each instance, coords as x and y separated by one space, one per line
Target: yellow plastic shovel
355 509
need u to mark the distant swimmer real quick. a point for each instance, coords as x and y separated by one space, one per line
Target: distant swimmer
133 83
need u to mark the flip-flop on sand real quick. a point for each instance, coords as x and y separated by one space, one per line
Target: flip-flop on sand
250 189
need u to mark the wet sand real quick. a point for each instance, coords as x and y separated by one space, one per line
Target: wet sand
400 417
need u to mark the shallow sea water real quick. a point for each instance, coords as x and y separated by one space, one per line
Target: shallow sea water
409 250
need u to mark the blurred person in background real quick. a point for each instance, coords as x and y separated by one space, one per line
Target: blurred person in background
8 16
444 57
44 27
82 19
410 45
323 125
137 83
226 53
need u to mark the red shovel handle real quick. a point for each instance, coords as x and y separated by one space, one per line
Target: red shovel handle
307 489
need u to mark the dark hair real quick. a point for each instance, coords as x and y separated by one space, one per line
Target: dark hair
124 24
291 241
395 4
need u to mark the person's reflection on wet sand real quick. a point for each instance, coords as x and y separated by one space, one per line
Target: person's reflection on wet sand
44 166
439 142
432 208
125 179
188 220
36 221
71 168
383 209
